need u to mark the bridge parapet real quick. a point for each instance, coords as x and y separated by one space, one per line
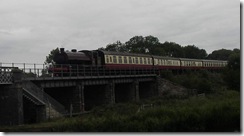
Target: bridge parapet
32 71
28 69
6 75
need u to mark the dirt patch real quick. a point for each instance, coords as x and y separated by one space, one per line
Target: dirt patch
167 87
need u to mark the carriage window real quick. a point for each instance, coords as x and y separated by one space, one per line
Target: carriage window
130 60
169 62
110 59
136 60
114 59
107 59
140 60
146 60
143 61
125 60
120 59
155 61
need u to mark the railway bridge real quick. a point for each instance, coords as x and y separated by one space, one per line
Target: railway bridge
28 94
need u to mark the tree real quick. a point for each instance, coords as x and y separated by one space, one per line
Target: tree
221 54
232 72
136 45
172 49
191 51
49 58
117 47
140 44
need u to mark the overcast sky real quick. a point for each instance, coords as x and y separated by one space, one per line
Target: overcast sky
30 29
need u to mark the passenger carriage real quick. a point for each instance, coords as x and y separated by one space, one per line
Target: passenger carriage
118 60
166 62
214 64
191 63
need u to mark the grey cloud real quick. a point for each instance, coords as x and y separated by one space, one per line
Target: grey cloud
32 28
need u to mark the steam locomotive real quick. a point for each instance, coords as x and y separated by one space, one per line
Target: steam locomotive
70 62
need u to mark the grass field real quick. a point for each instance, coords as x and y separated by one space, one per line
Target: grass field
218 112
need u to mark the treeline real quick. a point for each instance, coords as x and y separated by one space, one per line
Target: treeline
151 45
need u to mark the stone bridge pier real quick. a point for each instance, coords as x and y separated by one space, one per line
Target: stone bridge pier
85 97
34 100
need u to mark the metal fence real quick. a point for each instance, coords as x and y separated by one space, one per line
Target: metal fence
6 75
65 70
29 69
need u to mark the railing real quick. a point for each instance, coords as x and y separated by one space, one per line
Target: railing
84 70
6 75
29 69
66 70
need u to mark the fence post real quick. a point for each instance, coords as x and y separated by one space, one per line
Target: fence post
24 68
71 110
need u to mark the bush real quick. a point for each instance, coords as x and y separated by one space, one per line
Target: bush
219 112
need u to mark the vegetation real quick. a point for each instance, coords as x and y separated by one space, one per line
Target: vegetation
216 111
49 58
219 112
203 80
232 74
151 45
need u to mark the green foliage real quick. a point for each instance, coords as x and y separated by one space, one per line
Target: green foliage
151 45
218 112
194 52
232 72
221 54
203 81
172 49
49 58
140 44
117 47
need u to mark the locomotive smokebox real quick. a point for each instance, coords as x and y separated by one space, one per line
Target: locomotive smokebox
61 50
74 50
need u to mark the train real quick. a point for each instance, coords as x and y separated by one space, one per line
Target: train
67 62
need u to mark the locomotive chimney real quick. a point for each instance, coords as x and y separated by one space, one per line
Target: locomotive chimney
61 50
74 50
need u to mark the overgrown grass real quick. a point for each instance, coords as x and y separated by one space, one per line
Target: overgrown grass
202 80
219 112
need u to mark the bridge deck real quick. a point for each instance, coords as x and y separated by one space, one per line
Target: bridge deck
87 77
50 82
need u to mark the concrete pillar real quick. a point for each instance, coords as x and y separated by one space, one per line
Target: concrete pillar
110 93
134 91
11 103
156 87
137 96
41 113
19 90
77 101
